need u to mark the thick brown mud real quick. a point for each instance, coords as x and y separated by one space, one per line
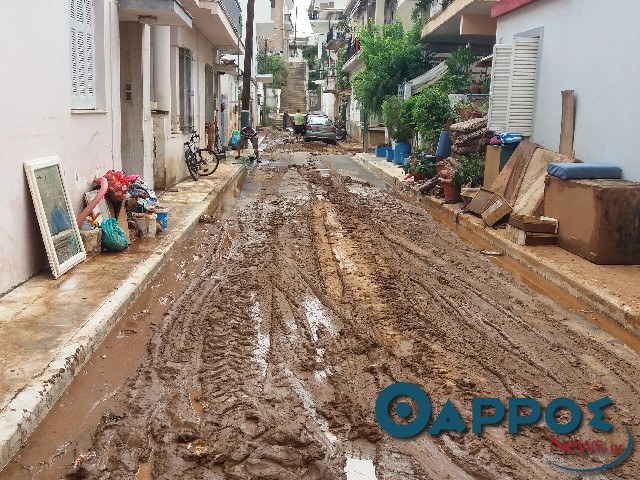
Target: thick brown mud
315 293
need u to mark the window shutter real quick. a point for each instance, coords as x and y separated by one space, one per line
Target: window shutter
523 85
500 82
82 55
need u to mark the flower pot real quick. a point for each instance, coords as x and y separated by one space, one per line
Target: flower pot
451 193
475 88
439 167
418 176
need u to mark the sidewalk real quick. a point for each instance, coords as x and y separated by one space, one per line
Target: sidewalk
612 290
49 328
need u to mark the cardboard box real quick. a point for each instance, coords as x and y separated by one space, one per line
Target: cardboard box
597 219
495 210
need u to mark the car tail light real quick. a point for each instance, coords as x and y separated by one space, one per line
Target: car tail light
334 129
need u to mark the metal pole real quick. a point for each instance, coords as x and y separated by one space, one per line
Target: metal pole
295 35
264 86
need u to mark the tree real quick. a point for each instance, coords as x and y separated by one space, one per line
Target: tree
390 56
273 64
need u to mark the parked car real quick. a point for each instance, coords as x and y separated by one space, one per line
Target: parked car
320 128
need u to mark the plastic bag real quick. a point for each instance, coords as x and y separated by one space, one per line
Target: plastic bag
235 138
510 138
113 237
118 185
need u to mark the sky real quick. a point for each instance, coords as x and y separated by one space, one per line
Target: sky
303 26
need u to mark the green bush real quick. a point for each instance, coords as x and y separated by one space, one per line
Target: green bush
429 112
397 118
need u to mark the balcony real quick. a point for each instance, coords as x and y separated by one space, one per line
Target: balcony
459 22
219 22
352 59
336 39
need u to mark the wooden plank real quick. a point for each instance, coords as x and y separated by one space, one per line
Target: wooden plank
567 122
509 178
531 193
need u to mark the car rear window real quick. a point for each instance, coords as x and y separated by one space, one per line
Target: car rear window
319 121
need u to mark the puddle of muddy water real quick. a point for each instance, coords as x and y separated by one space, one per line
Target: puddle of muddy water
317 315
357 468
194 398
263 340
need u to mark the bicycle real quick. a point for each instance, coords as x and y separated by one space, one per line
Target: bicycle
200 161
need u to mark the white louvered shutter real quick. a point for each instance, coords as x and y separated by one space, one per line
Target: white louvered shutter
523 85
500 83
82 55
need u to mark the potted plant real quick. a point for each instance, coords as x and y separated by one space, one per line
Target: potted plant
470 173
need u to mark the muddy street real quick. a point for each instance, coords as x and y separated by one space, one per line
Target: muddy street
295 308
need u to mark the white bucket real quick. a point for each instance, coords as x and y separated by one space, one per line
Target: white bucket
146 223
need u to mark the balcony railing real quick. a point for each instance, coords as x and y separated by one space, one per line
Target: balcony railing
233 11
334 34
352 49
437 6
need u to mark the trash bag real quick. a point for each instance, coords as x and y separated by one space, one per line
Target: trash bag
118 185
235 138
113 237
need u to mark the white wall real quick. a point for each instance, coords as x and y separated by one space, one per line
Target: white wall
590 47
37 120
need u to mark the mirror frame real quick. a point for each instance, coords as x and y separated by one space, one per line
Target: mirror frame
31 168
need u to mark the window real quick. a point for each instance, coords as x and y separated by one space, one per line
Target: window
513 86
83 94
186 90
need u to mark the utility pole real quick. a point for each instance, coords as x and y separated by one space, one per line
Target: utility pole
295 35
248 57
264 85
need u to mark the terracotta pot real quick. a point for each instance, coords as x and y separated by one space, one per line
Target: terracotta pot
439 167
475 88
451 193
418 176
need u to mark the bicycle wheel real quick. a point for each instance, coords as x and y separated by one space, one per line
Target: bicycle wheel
192 164
208 161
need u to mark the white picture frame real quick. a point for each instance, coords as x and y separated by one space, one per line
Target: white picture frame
54 211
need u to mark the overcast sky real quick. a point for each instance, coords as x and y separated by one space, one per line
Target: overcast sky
303 26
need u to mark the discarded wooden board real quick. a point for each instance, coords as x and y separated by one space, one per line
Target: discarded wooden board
530 194
508 181
480 201
530 238
529 223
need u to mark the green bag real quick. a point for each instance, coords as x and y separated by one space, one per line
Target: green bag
113 237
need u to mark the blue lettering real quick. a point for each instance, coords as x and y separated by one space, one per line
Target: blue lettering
597 421
563 428
515 420
449 419
477 406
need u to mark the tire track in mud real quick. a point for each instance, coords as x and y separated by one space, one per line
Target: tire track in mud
325 291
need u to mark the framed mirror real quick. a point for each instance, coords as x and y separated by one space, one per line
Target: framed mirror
55 214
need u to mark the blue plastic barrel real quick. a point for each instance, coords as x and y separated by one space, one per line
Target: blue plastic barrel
400 148
389 153
444 145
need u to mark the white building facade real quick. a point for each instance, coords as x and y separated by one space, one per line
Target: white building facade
102 84
590 48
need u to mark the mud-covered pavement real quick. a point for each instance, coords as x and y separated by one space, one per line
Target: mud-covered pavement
320 289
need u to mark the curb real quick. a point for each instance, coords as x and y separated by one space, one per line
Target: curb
29 406
602 304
